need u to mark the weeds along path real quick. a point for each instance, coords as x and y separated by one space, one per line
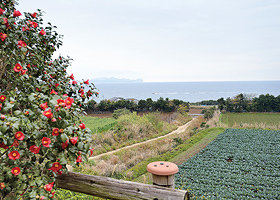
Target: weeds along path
178 130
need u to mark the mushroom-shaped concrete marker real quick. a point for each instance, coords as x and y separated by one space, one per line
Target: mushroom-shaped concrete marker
163 173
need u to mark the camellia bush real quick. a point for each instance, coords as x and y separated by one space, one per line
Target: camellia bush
40 105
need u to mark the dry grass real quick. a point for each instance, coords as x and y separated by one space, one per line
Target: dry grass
133 129
110 165
256 126
215 120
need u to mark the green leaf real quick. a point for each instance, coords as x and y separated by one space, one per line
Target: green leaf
17 112
10 141
80 145
63 161
49 164
39 181
63 124
64 137
3 128
38 134
7 107
31 97
32 194
54 99
23 49
86 146
51 156
16 125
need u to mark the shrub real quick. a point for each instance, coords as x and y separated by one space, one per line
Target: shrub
117 113
40 130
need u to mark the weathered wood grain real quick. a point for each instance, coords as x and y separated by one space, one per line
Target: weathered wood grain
117 189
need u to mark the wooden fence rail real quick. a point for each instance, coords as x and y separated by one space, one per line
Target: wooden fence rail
117 189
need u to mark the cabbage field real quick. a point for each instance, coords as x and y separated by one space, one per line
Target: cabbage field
239 164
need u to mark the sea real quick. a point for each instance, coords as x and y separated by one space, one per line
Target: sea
187 91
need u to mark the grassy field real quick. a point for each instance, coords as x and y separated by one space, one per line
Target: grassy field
98 125
259 120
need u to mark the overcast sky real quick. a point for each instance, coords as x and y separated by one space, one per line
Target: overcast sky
167 40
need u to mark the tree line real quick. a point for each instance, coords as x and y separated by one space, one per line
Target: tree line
245 103
162 105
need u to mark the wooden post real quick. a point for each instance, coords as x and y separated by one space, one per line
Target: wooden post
163 173
117 189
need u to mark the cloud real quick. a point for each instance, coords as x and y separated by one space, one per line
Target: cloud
165 40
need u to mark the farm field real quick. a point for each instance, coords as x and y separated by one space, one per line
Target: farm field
239 164
97 124
259 120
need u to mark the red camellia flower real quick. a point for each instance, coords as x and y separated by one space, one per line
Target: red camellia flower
23 71
82 126
56 85
25 28
21 44
87 82
48 113
65 144
15 171
32 24
2 186
13 155
34 149
55 132
15 143
0 106
53 192
1 11
91 151
3 36
74 140
68 101
2 98
6 23
17 67
72 76
16 13
60 102
46 141
56 167
2 116
19 135
89 93
42 32
2 145
53 92
34 15
44 105
79 159
74 82
49 187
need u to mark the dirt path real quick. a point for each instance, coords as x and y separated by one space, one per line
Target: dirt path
178 130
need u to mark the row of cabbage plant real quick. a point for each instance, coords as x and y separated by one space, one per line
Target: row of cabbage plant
239 164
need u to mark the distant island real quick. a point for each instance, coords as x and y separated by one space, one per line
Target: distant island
114 80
